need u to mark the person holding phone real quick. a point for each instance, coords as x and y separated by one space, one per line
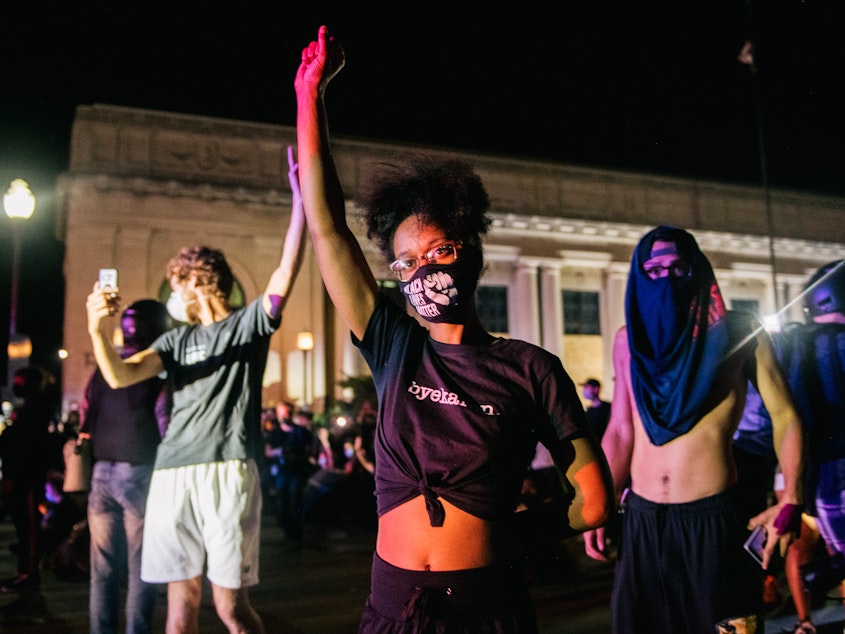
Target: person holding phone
682 365
206 472
124 428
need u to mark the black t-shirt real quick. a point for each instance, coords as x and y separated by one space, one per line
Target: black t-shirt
123 423
461 421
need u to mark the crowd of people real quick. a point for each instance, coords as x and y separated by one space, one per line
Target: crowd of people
715 427
319 475
28 452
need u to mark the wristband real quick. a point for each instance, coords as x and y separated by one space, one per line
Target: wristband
789 519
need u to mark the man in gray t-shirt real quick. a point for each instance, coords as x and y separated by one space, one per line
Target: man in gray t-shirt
205 494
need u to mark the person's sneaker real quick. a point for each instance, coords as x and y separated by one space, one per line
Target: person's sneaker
20 583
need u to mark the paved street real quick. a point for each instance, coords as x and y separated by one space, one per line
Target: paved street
320 590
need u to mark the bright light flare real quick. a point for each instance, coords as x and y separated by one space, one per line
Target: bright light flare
771 323
18 201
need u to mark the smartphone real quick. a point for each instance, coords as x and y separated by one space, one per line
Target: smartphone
756 542
108 281
108 278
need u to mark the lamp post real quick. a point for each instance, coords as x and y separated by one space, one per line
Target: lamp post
19 203
305 342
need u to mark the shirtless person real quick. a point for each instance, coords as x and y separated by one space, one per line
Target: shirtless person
682 365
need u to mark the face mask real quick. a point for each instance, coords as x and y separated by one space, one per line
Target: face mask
177 308
441 293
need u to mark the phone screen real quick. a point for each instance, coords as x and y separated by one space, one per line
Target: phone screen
108 278
756 542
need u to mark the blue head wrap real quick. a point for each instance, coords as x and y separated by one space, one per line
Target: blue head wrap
677 334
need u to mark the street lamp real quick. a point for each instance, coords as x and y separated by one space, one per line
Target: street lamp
305 342
19 203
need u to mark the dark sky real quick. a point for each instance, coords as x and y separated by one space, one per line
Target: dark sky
652 87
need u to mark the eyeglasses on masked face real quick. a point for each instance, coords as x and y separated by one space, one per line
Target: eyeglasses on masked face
443 253
678 268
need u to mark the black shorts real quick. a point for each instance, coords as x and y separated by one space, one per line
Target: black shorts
490 599
682 567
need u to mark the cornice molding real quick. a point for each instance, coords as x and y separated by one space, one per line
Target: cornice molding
139 186
152 152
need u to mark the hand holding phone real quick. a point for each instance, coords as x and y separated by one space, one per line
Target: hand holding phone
756 543
108 278
108 284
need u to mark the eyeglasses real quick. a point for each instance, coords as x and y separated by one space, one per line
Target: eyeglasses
443 253
679 268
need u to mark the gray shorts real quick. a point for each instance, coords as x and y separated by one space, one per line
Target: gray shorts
202 512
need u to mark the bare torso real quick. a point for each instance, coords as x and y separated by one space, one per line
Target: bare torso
407 540
699 463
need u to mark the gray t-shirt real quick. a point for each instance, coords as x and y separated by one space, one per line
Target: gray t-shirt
216 373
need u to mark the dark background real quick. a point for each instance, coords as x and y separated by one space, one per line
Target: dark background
651 87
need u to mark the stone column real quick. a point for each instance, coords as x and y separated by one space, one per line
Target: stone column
551 303
613 305
613 314
523 310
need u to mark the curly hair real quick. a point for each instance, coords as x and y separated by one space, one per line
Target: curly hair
446 193
210 267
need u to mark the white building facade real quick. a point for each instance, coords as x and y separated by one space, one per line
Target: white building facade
141 184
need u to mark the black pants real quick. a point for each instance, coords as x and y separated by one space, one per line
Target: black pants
491 599
22 505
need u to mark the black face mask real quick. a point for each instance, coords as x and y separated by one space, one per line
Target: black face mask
442 293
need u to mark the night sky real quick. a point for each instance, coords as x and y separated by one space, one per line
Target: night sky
650 87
